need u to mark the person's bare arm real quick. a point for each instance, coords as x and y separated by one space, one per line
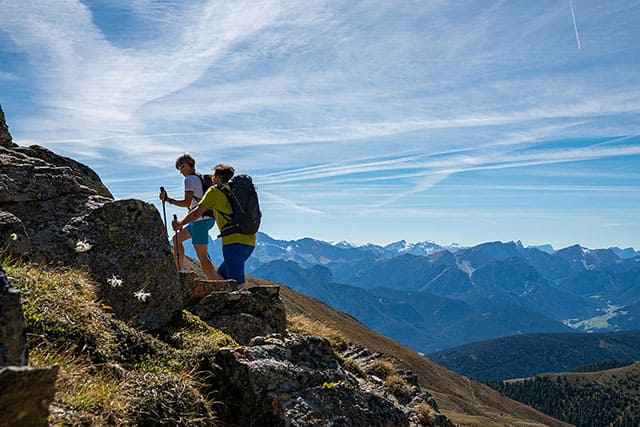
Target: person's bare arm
185 203
191 216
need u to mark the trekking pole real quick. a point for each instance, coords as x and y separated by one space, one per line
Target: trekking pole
176 246
164 210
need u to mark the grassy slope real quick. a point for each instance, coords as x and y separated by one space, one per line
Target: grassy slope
463 400
111 373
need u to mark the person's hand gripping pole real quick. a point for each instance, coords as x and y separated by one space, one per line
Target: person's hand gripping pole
163 197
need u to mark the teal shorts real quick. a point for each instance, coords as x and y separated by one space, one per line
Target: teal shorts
199 231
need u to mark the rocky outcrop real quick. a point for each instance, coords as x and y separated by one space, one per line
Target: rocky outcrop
57 210
5 136
13 338
25 395
244 314
82 173
420 406
297 381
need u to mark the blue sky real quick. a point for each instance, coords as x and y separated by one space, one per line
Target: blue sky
367 121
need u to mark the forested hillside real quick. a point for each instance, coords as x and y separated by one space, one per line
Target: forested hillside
601 398
526 355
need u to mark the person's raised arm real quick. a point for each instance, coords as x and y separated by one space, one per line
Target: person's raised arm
185 203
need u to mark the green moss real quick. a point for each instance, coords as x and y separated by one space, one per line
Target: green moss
331 385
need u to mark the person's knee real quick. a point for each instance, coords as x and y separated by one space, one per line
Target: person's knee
201 251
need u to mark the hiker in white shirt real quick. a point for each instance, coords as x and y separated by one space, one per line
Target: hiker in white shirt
197 231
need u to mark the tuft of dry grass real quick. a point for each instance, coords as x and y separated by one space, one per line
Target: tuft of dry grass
351 365
426 414
397 386
306 326
195 340
381 368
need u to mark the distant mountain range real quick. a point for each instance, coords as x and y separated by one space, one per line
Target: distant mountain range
431 297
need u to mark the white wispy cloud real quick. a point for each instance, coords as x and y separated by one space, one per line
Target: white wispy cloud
383 100
8 76
102 86
282 202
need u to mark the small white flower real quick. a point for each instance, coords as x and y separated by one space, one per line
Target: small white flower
83 246
13 236
142 295
114 281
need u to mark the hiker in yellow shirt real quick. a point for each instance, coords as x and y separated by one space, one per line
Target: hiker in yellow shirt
236 247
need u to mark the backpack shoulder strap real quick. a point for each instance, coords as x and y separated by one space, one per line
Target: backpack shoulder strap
230 197
201 184
225 191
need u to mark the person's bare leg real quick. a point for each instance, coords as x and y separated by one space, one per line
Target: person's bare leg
207 267
177 246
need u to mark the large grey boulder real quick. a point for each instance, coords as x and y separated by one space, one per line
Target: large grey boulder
84 175
244 314
13 336
56 210
25 395
295 380
124 245
44 197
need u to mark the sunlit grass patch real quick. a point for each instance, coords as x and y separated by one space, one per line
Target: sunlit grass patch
195 341
61 304
303 325
85 394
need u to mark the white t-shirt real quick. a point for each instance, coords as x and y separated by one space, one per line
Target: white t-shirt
193 183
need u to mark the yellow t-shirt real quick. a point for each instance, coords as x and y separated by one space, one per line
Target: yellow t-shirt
216 200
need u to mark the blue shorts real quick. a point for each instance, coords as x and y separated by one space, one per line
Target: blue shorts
199 230
234 257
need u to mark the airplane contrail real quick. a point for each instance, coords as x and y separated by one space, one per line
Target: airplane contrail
575 27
